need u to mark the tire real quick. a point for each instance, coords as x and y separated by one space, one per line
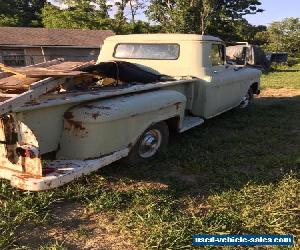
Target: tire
150 144
248 98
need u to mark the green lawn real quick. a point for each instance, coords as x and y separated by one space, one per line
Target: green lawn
283 77
238 173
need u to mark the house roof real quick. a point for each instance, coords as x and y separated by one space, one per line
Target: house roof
19 36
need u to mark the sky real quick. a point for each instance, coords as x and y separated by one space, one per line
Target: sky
275 10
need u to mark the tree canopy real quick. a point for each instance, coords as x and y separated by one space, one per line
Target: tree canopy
223 18
199 16
25 13
282 36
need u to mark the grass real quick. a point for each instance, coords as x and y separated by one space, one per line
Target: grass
282 76
238 173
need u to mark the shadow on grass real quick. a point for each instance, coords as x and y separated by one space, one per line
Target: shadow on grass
259 144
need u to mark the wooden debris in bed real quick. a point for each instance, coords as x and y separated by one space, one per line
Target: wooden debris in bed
18 89
22 78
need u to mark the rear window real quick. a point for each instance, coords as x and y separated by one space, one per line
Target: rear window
147 51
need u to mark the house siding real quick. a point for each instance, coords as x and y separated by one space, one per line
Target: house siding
34 55
73 54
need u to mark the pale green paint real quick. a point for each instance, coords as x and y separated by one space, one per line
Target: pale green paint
114 124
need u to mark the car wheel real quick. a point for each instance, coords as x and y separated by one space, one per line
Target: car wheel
247 99
152 142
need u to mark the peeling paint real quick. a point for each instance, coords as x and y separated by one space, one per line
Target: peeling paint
177 104
68 115
96 115
76 125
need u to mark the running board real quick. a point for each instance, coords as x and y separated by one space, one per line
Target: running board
190 122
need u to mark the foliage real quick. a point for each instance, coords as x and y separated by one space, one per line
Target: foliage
198 16
81 15
23 13
86 14
282 36
221 18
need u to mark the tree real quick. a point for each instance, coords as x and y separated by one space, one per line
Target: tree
80 14
21 12
123 9
95 14
284 36
135 6
198 16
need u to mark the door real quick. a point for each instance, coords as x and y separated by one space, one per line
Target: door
223 91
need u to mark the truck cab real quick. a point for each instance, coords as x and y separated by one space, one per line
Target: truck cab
221 86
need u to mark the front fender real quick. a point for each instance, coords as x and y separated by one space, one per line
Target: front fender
99 128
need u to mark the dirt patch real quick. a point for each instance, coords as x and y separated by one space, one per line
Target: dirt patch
282 92
76 228
275 96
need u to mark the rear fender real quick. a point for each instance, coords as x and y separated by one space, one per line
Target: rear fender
100 128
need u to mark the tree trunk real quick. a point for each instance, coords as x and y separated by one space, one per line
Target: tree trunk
132 12
203 24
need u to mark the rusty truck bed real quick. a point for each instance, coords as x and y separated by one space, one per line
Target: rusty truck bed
38 87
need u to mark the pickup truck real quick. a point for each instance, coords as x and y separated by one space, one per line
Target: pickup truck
62 135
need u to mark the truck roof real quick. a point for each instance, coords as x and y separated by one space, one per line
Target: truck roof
162 37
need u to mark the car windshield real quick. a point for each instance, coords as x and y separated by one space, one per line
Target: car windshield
147 51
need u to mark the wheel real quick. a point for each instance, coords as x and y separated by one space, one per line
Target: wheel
152 142
247 99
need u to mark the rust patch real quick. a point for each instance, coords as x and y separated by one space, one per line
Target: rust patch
76 125
89 106
177 104
68 115
103 107
95 115
10 131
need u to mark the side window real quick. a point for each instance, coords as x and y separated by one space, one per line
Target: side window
217 54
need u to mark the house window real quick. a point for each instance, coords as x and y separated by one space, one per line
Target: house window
217 54
13 57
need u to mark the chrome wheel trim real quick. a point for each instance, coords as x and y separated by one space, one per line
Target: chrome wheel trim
245 101
150 143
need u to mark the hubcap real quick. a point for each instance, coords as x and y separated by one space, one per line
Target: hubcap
150 143
246 100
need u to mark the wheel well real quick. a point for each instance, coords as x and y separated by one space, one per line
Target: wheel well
254 87
173 123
